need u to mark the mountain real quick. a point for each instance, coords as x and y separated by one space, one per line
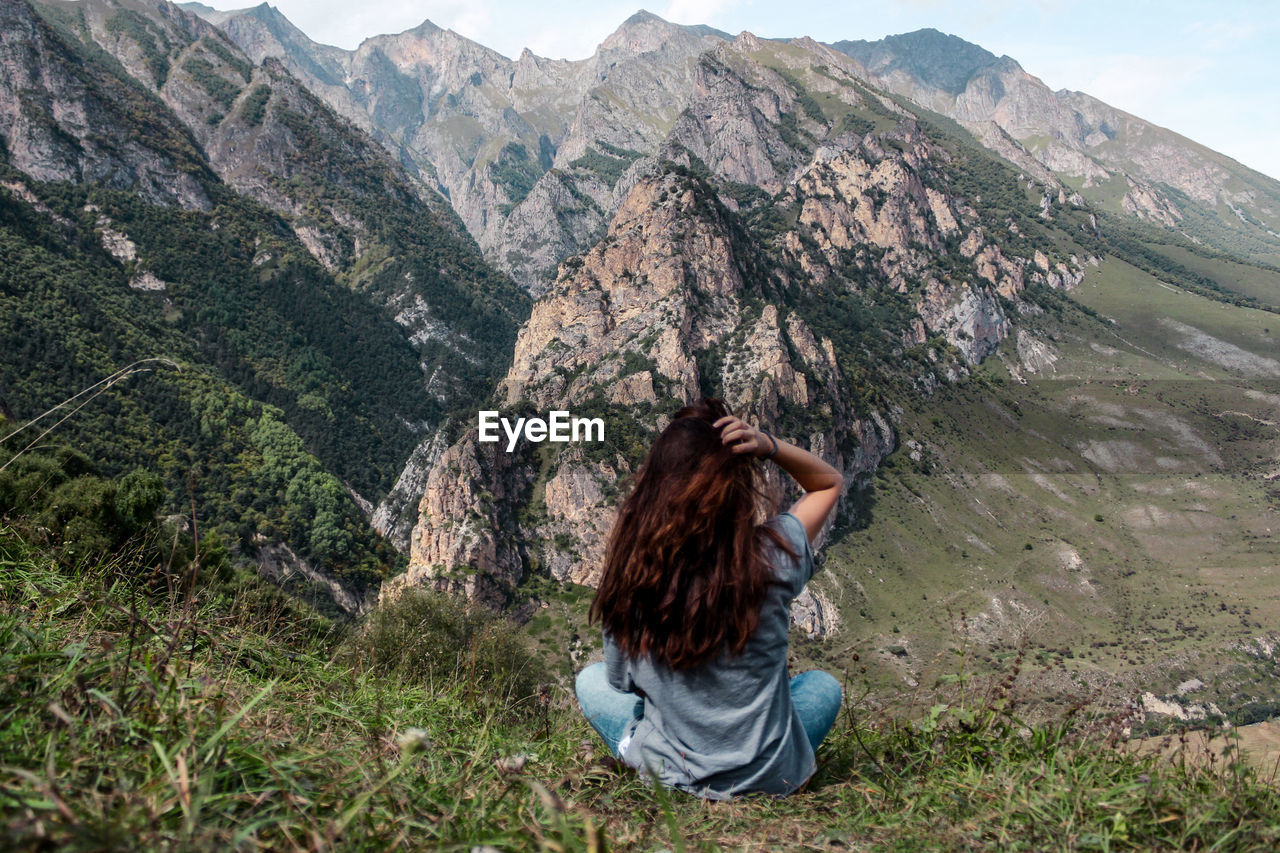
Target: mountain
700 286
527 151
1117 161
529 209
270 139
868 277
192 205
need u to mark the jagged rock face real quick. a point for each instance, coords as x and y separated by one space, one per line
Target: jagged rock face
60 124
437 100
397 513
637 85
633 91
633 293
465 540
559 217
625 323
873 196
490 132
875 209
1144 202
1036 355
624 327
856 199
733 127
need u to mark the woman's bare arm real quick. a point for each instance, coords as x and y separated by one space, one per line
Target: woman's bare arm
821 482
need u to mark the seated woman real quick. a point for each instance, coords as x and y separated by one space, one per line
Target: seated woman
695 606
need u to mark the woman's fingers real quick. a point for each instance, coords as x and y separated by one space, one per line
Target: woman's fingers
737 432
731 429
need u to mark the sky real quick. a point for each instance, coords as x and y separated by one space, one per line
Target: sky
1206 70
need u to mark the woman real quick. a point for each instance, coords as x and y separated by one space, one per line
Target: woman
695 606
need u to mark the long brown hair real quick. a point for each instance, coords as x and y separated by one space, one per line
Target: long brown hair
684 574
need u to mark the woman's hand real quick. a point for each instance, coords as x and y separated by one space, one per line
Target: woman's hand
743 437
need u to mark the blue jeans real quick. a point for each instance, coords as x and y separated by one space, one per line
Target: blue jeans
815 694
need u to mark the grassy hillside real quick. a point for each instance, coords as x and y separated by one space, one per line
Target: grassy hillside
152 711
1113 511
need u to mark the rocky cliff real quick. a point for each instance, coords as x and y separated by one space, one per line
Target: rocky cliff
621 334
65 119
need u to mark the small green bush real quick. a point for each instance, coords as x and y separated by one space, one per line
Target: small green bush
424 636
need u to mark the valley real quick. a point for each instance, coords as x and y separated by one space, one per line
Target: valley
1043 355
1113 511
298 534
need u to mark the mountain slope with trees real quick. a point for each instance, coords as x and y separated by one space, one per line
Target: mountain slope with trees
172 215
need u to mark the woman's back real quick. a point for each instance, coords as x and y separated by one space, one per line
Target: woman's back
728 725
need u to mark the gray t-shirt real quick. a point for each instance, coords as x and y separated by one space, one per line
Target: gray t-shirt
726 727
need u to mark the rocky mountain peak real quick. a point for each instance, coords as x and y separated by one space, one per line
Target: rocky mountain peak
428 29
944 61
644 32
264 12
643 16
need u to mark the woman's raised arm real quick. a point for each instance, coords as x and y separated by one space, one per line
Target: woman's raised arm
821 482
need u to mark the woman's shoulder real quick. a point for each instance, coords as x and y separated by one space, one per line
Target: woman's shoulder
791 530
794 562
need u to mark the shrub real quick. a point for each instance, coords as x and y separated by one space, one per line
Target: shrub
430 637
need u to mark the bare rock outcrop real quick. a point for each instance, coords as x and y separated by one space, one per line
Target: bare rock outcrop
62 125
465 540
656 311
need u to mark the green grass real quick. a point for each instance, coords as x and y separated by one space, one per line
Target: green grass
1139 302
1105 195
1260 283
137 715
